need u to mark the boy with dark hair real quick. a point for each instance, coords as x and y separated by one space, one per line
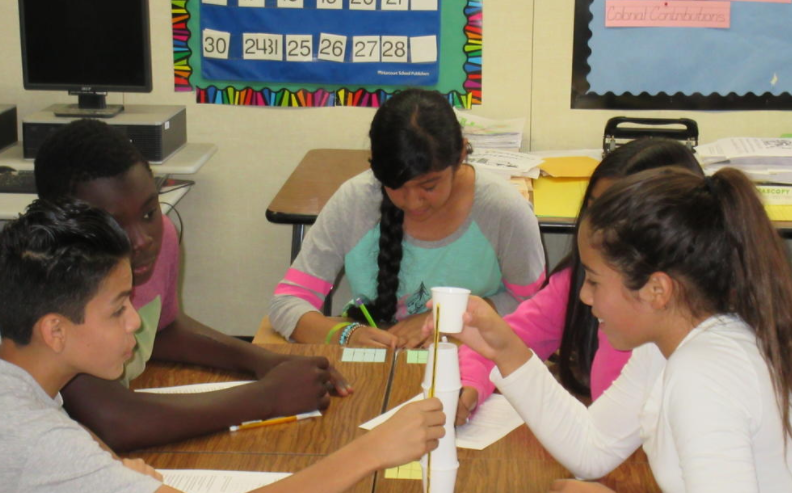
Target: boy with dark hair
91 161
65 309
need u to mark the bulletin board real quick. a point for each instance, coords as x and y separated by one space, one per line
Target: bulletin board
745 66
326 52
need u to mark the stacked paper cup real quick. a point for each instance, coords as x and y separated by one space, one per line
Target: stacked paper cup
444 462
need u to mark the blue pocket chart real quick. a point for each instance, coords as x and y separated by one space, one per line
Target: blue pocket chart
382 42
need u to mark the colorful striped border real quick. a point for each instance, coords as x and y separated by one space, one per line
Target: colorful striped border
181 51
182 71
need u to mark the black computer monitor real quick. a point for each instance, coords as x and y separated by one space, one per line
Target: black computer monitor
87 47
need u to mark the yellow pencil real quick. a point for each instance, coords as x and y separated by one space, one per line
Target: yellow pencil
247 425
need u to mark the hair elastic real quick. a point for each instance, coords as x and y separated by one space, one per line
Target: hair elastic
335 329
710 184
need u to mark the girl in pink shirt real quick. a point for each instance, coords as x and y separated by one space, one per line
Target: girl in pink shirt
549 322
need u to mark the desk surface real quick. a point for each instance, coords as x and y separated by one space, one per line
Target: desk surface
185 161
516 463
14 204
338 426
322 171
319 175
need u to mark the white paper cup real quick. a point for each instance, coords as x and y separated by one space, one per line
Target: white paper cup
443 478
445 455
447 368
452 303
447 385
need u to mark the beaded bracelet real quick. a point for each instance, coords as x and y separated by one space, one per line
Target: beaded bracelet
347 333
335 329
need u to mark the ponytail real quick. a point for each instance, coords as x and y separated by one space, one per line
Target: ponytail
762 290
383 309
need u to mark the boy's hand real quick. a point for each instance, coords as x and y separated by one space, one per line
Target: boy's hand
410 433
141 467
575 486
341 387
297 385
468 400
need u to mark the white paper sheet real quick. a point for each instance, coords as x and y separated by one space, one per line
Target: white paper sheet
211 481
740 147
495 419
196 388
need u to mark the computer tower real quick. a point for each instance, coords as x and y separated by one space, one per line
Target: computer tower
8 125
157 131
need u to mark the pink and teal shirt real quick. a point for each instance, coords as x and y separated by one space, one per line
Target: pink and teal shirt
496 253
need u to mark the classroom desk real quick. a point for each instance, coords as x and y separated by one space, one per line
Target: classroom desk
14 204
187 160
316 179
322 171
517 462
320 436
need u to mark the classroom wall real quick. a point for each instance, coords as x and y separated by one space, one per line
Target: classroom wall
233 257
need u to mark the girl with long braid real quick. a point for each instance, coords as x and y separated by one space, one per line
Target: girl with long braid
419 218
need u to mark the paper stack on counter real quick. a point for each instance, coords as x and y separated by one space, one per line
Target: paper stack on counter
486 133
766 160
506 163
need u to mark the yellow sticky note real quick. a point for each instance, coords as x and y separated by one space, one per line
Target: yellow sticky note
569 166
407 471
779 212
558 197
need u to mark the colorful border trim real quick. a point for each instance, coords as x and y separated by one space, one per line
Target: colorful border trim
181 51
304 98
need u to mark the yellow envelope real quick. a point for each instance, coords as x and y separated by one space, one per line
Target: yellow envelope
779 212
569 166
558 197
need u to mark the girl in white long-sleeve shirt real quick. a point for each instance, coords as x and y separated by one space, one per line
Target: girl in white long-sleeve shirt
690 273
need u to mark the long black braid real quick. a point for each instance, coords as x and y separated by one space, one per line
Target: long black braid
413 133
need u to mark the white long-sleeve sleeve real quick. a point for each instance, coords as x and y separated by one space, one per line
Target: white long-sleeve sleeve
590 442
707 417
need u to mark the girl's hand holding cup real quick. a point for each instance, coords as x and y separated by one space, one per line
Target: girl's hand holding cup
484 331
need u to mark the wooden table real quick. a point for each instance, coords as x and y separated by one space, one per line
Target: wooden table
316 179
338 426
517 462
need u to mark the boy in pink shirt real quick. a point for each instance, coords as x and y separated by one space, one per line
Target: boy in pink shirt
93 162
